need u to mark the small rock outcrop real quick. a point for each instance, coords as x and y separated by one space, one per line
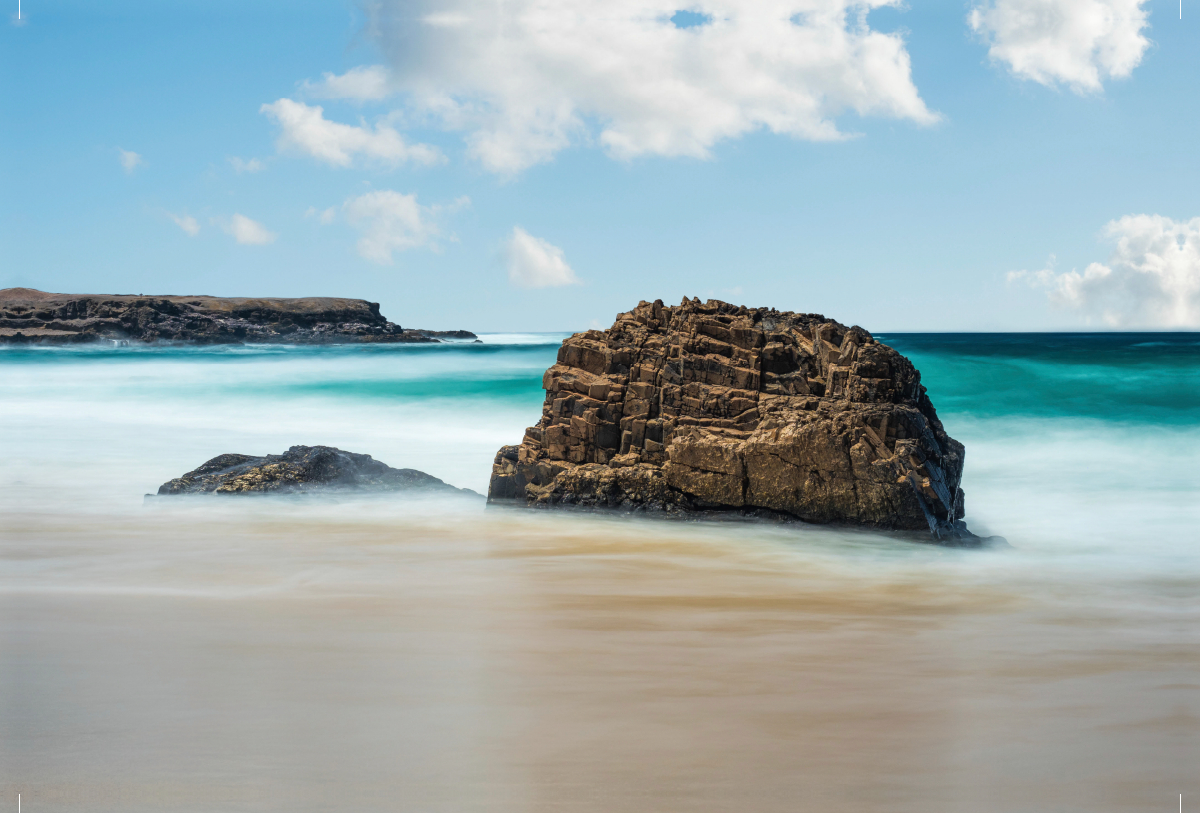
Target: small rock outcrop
31 316
450 335
711 406
303 469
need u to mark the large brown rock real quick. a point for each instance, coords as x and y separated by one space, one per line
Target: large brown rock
714 406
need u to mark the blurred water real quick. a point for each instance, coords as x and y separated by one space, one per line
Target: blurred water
391 654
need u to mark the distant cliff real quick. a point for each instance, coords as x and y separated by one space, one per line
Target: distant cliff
28 315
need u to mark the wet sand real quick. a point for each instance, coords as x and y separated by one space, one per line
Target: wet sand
377 657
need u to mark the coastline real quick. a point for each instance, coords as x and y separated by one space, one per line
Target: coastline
38 317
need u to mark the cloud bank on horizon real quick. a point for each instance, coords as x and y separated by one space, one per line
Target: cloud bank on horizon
1152 278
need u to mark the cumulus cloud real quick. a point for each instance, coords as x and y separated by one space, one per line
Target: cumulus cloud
535 263
305 128
366 83
1152 278
129 160
524 79
241 165
1078 43
248 232
390 222
187 223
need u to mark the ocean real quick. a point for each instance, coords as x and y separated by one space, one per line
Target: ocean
407 654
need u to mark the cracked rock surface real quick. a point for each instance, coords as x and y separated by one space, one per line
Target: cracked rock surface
709 406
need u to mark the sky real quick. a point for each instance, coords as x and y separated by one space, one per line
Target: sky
542 165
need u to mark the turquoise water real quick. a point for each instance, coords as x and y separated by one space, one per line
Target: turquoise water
1127 378
433 655
1086 419
442 408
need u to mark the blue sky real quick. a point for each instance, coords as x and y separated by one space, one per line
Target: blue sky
546 181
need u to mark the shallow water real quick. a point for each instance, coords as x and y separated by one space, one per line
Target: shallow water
382 654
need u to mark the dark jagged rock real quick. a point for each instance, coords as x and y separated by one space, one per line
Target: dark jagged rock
303 469
30 316
718 407
455 335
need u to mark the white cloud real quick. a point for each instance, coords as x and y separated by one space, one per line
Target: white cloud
241 165
323 216
535 263
187 223
367 83
129 160
1079 43
248 232
527 78
305 128
389 222
1152 278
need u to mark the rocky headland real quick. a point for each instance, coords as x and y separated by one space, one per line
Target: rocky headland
710 406
31 316
304 470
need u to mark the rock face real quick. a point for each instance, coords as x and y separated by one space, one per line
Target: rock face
453 335
27 315
303 469
714 406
